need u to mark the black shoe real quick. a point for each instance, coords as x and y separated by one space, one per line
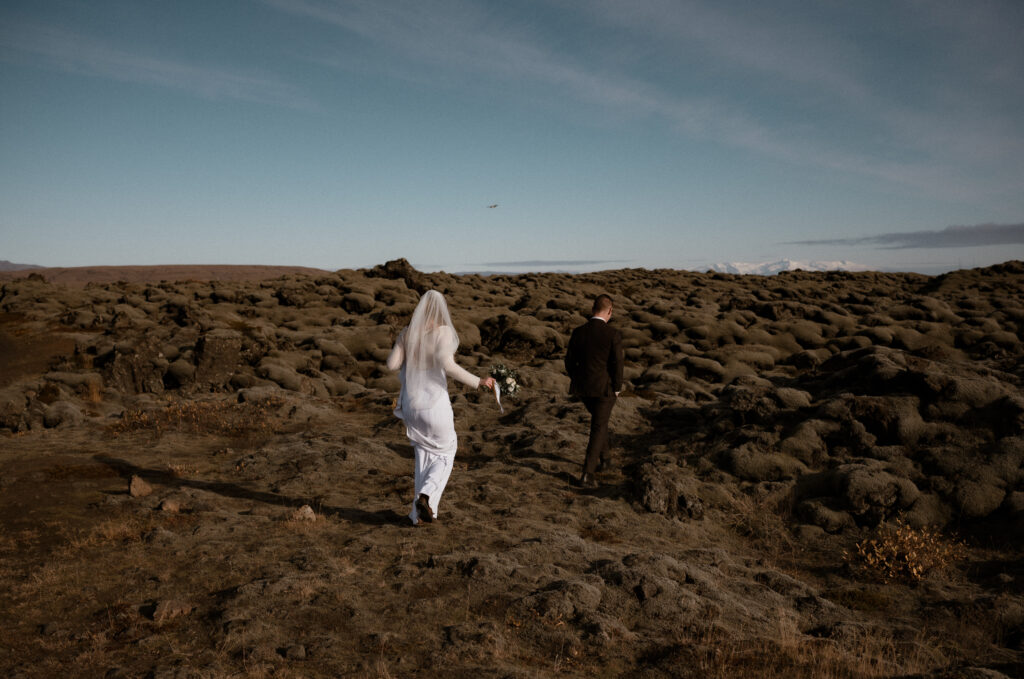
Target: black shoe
423 509
587 480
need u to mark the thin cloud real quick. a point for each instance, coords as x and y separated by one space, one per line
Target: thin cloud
758 41
949 135
462 38
79 54
950 237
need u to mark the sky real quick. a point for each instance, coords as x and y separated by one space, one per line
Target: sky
609 134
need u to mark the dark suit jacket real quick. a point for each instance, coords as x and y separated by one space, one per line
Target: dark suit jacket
594 359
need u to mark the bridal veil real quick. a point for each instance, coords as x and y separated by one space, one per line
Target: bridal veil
429 338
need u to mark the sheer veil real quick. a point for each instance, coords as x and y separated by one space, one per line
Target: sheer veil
429 338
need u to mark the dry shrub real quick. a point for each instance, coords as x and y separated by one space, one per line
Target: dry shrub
202 417
904 553
181 470
128 529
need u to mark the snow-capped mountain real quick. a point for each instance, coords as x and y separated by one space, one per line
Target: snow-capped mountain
772 268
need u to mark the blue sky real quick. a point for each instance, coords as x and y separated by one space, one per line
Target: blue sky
648 133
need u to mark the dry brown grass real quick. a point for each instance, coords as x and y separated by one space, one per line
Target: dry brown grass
763 521
179 471
219 418
67 568
783 652
903 553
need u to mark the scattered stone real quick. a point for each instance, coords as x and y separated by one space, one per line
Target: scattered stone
303 513
218 352
134 368
808 533
977 499
168 609
170 505
139 487
62 414
179 374
357 303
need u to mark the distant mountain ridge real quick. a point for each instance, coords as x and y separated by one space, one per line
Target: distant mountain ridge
12 266
79 276
772 268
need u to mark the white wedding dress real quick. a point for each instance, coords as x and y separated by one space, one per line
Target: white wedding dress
424 354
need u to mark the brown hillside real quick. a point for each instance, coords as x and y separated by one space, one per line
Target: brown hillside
80 276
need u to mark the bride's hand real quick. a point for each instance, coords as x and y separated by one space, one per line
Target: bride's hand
487 383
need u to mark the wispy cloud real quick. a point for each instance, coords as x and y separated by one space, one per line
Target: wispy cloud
950 237
756 41
824 79
461 36
954 127
80 54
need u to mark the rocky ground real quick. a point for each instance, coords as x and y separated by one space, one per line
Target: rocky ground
818 475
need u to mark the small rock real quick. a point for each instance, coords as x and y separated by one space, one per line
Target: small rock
180 373
170 505
139 488
62 413
816 512
296 652
304 513
171 608
806 531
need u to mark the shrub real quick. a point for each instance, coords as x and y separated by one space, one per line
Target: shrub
901 552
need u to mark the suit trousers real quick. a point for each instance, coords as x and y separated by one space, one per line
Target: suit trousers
598 447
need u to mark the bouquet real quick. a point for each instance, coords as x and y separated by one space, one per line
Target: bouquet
507 380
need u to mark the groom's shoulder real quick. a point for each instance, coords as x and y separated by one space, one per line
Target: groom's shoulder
597 330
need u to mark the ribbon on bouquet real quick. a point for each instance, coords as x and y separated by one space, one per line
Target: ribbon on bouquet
497 397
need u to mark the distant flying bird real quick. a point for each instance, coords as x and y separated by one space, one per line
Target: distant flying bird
493 206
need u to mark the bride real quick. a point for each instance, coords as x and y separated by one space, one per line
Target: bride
425 355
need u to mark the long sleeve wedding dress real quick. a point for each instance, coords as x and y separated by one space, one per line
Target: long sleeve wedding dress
424 355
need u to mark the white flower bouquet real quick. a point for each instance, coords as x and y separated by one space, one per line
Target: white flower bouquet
507 380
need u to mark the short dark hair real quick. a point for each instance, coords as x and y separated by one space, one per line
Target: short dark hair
602 303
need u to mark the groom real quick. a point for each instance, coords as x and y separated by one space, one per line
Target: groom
594 364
